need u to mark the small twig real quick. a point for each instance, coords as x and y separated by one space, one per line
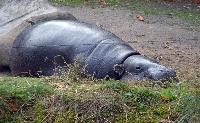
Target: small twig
46 116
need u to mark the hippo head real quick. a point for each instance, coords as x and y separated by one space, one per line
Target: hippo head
138 67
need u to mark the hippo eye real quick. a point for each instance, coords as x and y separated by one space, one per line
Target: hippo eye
138 68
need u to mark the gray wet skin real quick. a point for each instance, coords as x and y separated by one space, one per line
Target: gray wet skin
138 67
42 47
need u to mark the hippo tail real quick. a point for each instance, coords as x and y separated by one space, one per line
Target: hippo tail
108 53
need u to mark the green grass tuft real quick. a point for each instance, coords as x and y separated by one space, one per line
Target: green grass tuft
23 89
68 2
65 99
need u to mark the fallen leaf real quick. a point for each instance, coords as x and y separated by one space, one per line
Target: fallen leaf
1 111
197 1
102 2
59 85
11 106
140 18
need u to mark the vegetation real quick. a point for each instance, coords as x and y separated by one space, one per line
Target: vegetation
143 6
74 98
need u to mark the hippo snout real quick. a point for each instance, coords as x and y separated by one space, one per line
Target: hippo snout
138 67
161 73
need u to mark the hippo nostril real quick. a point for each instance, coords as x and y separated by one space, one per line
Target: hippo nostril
172 73
161 73
169 74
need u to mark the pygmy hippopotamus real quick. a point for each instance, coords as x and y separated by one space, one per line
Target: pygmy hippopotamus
42 47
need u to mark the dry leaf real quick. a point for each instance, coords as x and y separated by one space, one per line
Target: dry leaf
59 85
197 1
1 112
140 18
102 2
11 106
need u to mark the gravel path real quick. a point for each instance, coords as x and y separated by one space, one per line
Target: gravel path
161 37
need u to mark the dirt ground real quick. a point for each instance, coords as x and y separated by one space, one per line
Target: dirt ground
162 37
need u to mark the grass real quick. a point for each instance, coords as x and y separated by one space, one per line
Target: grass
22 89
143 7
148 9
16 92
60 99
68 2
86 2
76 97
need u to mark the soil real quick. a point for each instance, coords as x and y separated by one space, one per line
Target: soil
161 37
182 5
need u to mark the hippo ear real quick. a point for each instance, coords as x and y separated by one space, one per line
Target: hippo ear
119 68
